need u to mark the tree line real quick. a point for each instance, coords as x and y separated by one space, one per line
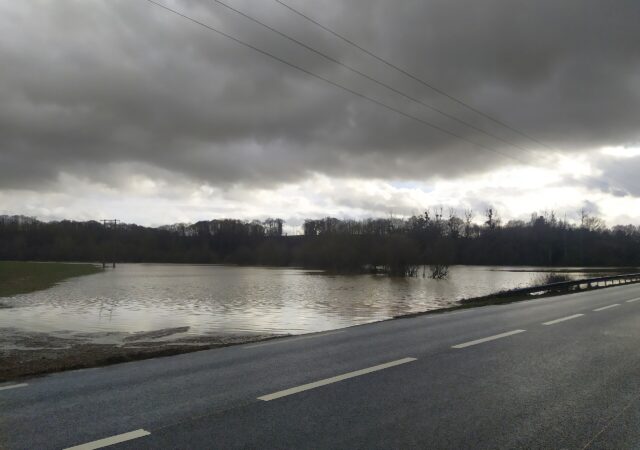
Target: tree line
397 246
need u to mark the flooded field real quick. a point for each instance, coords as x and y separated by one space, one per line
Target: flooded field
243 300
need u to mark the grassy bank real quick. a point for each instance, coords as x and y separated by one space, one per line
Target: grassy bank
506 297
17 277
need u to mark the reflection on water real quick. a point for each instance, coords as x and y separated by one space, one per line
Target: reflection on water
222 299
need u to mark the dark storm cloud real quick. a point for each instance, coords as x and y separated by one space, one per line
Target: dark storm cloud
87 84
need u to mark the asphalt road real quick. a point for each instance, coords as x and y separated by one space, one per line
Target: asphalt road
550 373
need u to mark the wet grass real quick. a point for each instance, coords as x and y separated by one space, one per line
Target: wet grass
17 277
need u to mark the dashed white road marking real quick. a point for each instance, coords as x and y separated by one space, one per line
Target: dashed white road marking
346 376
634 300
490 338
111 440
606 307
13 386
562 319
284 340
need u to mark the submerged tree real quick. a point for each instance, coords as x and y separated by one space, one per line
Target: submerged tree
439 271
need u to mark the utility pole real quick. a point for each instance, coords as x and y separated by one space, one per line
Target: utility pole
110 226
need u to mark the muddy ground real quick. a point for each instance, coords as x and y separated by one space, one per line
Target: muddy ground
25 354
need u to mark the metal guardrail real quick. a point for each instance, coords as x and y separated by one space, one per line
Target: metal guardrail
573 285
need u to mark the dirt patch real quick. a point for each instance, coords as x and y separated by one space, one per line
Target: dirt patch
24 354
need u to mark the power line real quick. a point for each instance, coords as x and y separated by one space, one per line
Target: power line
427 84
368 77
377 102
410 75
333 83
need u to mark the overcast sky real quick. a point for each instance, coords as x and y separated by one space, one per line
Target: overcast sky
119 108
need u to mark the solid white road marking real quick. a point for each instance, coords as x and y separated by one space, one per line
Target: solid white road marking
283 340
13 386
315 384
634 300
490 338
111 440
606 307
551 322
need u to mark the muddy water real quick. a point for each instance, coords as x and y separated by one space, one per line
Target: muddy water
241 300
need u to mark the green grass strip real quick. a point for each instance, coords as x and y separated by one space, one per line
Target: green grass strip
17 277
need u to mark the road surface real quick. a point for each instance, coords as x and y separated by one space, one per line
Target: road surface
556 373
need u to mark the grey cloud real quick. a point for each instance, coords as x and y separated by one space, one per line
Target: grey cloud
89 84
620 176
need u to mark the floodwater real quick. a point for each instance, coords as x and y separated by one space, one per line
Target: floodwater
243 300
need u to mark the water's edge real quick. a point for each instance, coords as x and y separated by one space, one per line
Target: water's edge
42 354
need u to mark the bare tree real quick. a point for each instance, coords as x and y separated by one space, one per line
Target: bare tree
468 220
455 225
492 221
439 271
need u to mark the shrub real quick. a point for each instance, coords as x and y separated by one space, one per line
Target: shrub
550 278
